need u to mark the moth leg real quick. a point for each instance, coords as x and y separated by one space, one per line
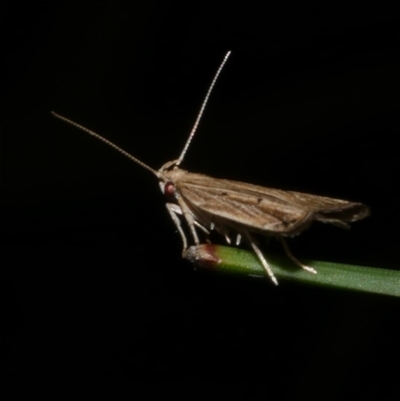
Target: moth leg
260 256
201 227
189 219
173 211
223 231
177 210
238 239
293 259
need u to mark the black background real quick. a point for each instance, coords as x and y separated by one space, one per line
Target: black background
93 288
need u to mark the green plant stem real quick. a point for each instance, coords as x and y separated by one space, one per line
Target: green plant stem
338 275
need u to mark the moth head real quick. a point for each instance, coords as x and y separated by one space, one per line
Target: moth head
167 188
168 175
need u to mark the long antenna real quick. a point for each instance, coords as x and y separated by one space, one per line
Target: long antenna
203 106
109 143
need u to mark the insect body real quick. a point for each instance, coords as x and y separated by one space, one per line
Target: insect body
244 209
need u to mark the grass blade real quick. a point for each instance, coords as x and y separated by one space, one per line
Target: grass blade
338 275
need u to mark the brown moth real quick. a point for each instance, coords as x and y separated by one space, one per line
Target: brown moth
228 207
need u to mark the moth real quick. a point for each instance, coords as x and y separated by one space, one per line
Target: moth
233 207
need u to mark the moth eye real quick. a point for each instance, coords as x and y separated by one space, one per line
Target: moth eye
169 188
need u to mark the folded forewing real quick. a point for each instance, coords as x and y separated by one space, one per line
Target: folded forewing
244 204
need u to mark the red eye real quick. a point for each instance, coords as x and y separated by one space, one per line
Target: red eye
169 188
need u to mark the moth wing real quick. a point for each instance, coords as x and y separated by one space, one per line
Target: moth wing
239 205
331 210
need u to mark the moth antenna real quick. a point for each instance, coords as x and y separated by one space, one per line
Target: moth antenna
106 141
203 106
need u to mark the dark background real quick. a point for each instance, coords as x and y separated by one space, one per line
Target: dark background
93 287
